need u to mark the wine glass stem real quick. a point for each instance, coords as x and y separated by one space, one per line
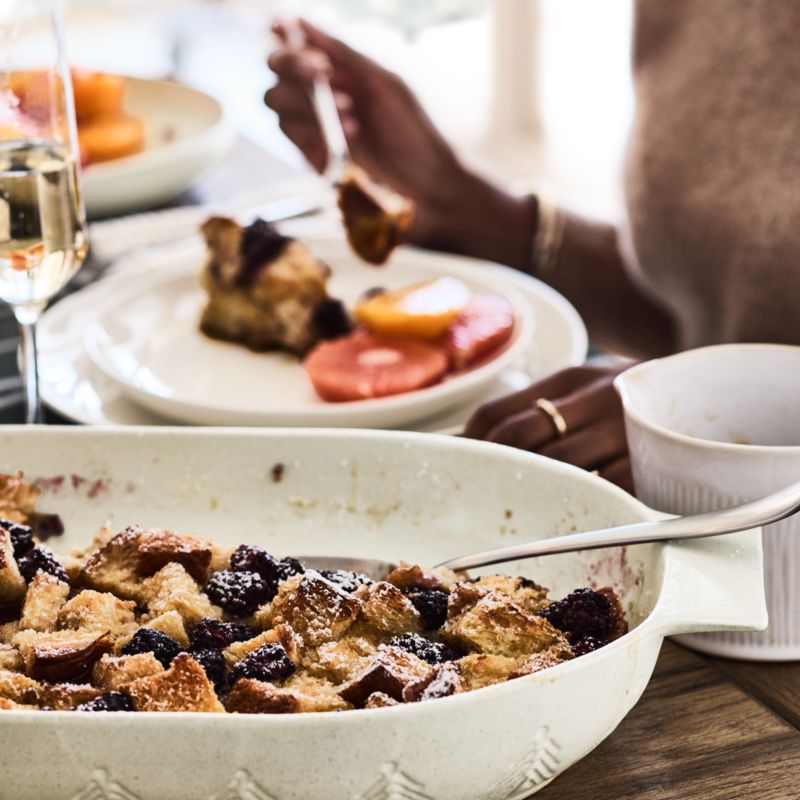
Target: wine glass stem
30 369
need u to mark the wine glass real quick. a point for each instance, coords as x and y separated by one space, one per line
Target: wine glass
42 222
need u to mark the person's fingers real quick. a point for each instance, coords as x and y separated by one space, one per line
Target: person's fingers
589 447
287 100
308 138
527 430
618 471
292 101
299 66
531 428
491 414
281 29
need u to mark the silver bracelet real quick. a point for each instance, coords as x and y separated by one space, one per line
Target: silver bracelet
546 243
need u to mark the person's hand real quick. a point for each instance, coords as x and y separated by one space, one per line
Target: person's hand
388 132
591 411
392 138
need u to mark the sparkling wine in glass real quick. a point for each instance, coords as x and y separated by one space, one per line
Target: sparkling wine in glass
42 222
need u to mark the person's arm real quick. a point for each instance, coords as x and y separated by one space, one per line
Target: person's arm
619 316
483 221
459 211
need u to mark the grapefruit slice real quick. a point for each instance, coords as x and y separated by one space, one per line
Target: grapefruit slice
483 326
422 311
361 366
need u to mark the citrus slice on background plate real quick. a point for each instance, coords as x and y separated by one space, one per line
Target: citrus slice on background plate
421 311
362 365
483 326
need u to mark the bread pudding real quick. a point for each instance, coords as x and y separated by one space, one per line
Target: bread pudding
375 218
151 620
266 290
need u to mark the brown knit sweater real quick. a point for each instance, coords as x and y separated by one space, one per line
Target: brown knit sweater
713 172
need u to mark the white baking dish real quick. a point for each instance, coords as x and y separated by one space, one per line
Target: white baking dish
387 495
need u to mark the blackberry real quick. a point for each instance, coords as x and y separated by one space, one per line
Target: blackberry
252 558
239 593
21 536
148 640
38 558
216 635
261 243
289 566
213 662
268 663
431 652
348 581
586 645
331 319
110 701
585 613
431 604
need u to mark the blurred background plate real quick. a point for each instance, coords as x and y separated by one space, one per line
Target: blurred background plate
187 132
75 388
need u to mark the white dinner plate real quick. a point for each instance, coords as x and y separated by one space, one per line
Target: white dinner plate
148 341
74 387
186 133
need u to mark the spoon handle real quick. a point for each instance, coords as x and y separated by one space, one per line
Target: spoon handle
328 115
767 509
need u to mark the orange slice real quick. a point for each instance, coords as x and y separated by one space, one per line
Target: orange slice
422 311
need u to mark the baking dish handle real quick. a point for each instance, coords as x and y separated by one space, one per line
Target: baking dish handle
713 585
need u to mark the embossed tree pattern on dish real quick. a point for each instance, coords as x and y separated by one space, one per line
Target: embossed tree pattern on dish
532 772
243 787
102 787
394 784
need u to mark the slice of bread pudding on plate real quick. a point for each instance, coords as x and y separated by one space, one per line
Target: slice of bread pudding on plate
266 290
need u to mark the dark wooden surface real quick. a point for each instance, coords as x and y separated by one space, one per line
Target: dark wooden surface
705 728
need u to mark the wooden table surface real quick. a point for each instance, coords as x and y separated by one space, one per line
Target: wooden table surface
705 728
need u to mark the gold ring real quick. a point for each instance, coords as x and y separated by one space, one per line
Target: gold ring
558 421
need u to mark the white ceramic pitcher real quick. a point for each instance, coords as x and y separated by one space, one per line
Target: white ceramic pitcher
714 427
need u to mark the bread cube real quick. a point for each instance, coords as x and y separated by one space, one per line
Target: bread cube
316 609
19 688
99 611
112 673
172 588
43 602
61 656
497 626
183 687
390 671
387 610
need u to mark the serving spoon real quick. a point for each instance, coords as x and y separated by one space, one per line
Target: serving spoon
772 508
